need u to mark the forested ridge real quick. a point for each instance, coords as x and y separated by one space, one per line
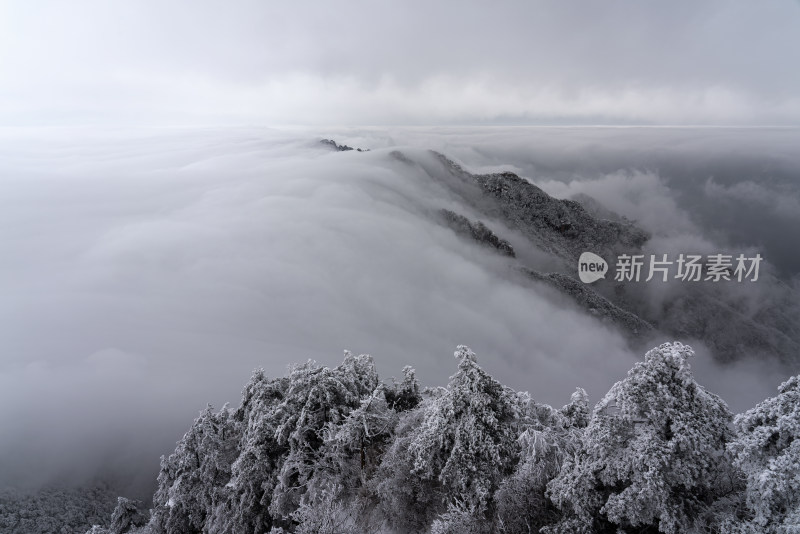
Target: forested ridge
335 450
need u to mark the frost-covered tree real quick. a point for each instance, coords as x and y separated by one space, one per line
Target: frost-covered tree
332 450
468 438
317 400
461 518
407 500
465 441
354 449
547 438
330 514
767 450
192 480
652 457
406 394
254 472
54 510
577 411
127 516
250 471
339 489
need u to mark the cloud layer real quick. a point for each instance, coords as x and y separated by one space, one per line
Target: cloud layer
147 272
388 63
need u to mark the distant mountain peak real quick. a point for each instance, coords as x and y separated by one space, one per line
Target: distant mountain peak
330 143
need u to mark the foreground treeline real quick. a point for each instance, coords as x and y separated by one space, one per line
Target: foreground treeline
337 451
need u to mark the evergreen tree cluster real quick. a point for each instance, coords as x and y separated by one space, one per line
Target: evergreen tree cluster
333 451
54 510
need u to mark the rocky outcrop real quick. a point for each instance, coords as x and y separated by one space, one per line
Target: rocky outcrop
476 231
333 145
562 227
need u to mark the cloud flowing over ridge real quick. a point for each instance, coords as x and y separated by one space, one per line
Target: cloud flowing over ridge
149 272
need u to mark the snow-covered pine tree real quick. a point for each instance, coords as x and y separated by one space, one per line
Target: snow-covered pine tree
254 472
317 401
249 471
767 450
652 457
548 437
339 489
467 442
406 394
407 501
577 411
191 483
127 516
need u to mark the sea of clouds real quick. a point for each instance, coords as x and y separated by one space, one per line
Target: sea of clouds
147 272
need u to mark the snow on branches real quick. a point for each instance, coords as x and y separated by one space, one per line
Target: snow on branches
335 450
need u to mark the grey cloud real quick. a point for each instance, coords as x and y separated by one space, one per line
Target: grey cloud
642 197
780 201
400 63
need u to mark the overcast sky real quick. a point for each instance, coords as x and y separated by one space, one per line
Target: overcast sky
411 62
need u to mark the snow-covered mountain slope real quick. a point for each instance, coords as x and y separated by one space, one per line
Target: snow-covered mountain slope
563 229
